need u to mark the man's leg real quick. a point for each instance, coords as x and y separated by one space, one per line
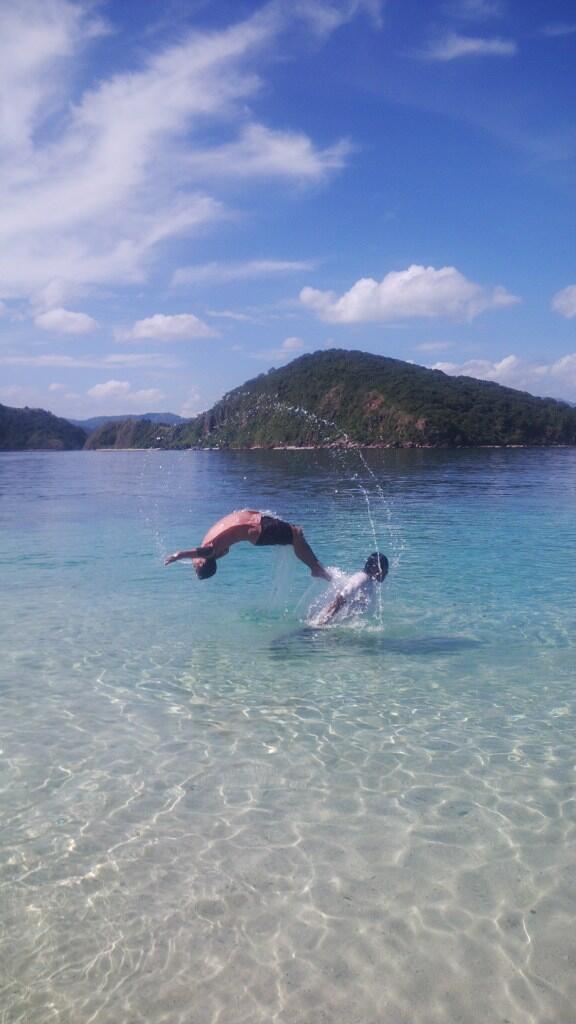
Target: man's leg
304 552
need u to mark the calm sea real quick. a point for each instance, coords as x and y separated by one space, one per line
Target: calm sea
212 812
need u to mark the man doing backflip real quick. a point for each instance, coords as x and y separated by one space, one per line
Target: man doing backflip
256 528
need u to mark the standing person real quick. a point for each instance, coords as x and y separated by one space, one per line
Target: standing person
359 589
256 528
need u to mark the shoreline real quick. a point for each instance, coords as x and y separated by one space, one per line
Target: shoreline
410 446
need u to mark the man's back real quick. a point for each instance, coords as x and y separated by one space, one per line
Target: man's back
235 527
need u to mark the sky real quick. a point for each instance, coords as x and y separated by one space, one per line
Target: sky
195 191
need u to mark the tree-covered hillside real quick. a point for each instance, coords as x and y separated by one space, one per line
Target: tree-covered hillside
330 397
28 429
94 422
132 433
337 395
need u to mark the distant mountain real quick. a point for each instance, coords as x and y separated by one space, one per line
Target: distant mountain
26 429
132 433
155 417
343 397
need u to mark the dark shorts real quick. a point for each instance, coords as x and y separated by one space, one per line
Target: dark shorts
274 531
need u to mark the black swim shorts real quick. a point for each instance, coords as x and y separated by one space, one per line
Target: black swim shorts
274 531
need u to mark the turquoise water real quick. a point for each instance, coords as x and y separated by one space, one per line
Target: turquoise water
212 812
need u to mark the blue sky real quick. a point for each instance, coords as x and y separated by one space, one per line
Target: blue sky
197 190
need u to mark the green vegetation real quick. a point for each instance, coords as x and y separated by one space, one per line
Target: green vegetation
131 433
338 397
26 429
155 417
327 398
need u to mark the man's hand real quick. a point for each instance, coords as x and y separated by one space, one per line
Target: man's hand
202 552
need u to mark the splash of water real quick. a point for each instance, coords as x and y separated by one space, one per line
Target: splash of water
396 545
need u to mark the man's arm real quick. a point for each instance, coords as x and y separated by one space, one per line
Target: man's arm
335 606
201 552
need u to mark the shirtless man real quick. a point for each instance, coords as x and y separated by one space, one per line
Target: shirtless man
255 527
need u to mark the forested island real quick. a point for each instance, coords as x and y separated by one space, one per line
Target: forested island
35 429
338 397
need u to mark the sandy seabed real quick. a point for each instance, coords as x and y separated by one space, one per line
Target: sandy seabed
359 847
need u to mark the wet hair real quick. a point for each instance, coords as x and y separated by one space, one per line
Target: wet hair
376 564
207 569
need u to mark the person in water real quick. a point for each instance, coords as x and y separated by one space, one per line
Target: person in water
256 528
359 589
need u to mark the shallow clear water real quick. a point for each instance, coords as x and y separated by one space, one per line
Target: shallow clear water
212 812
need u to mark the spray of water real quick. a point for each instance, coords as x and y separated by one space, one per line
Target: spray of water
376 500
378 503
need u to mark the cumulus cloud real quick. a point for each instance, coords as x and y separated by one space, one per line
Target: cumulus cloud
564 302
557 379
415 292
161 327
454 46
64 321
292 344
92 185
111 391
248 270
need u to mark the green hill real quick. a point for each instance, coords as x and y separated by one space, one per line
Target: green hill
155 417
29 429
329 397
337 396
131 433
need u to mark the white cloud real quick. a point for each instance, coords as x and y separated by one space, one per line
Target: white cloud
160 327
248 270
112 391
64 321
292 344
150 360
55 293
415 292
564 302
325 16
33 72
229 314
192 405
91 187
454 46
287 349
261 152
557 379
558 29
